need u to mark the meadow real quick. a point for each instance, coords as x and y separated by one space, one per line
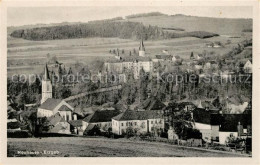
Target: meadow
104 147
26 56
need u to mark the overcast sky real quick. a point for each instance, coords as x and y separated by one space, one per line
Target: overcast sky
33 15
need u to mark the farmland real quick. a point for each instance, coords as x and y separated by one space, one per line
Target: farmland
27 56
103 147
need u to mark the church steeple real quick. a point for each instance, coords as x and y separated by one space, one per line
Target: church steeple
46 85
46 75
142 46
141 49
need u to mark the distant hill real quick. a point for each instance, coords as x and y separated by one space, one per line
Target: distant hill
152 25
195 23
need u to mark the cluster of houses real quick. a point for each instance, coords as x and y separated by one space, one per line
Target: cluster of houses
151 115
196 64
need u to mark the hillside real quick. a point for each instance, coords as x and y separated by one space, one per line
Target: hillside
148 26
193 23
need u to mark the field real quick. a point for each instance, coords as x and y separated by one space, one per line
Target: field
192 23
102 147
28 57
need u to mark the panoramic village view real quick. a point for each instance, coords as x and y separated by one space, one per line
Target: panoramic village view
143 85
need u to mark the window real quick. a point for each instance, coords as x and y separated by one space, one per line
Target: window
135 123
151 122
122 124
48 88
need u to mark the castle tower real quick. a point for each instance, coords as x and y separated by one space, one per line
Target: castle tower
46 85
142 49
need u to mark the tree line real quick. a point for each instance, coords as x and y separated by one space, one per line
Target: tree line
105 29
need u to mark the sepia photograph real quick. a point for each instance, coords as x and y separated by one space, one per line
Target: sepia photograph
129 81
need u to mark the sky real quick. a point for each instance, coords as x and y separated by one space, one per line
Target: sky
17 16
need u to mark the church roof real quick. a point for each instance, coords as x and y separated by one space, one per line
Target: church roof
50 104
64 108
46 75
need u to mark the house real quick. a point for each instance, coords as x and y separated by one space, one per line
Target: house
102 119
227 125
248 66
52 106
186 106
166 52
198 56
198 67
152 103
161 58
236 104
76 126
57 124
139 121
177 59
202 122
208 105
133 64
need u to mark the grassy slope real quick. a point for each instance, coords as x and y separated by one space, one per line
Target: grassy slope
96 147
192 23
88 49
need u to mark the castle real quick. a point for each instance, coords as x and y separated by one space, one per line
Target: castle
133 63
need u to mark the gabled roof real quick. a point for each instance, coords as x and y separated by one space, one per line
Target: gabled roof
137 115
229 122
101 116
75 123
55 119
64 108
177 57
152 103
50 104
163 57
201 115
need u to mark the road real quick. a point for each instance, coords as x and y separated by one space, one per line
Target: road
102 147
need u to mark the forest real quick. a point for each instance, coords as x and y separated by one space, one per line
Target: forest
106 29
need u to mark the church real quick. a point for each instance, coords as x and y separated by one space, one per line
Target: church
57 111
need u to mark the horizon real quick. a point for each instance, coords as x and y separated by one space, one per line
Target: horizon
43 15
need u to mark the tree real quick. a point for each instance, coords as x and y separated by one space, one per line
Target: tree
178 118
129 132
134 51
